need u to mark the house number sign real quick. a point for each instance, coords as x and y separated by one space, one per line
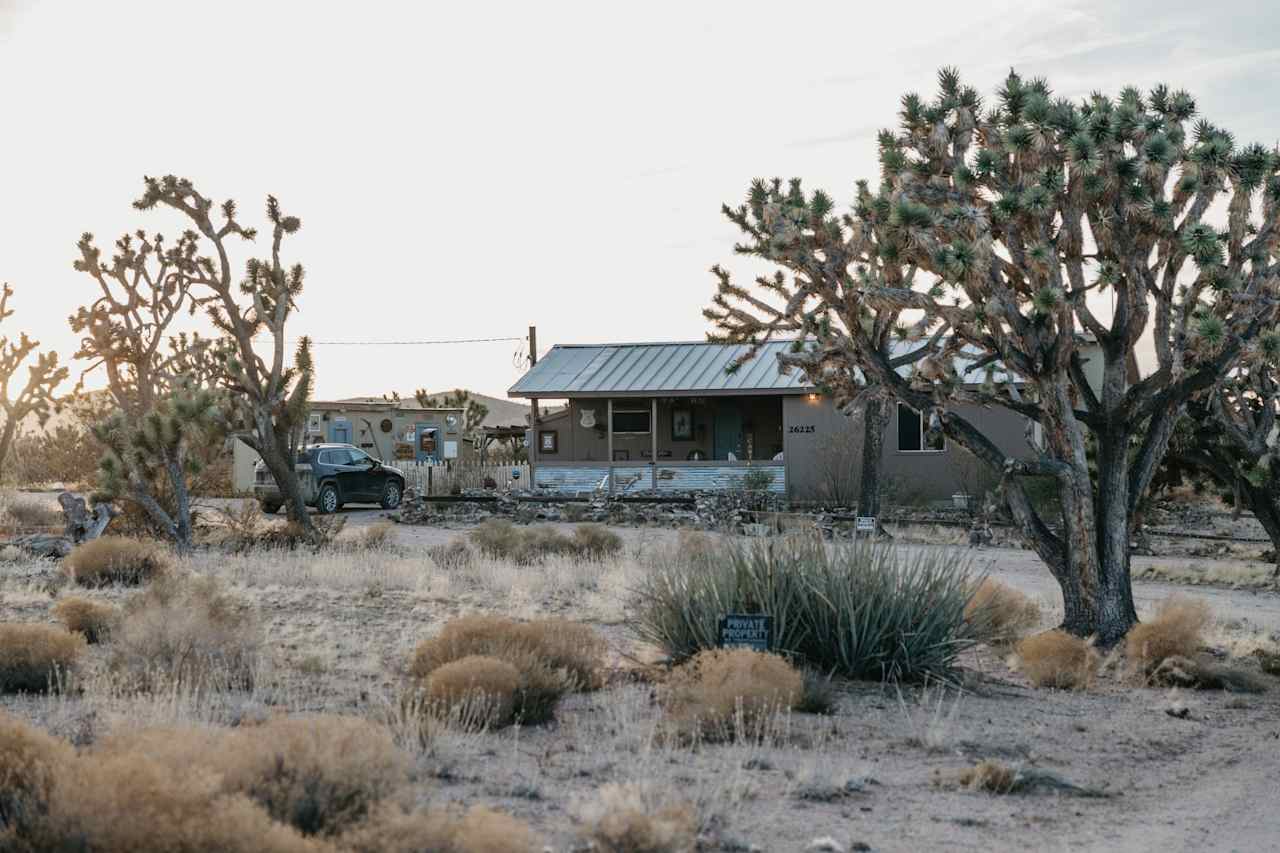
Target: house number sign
802 428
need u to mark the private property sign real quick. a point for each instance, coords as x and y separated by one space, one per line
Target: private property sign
746 631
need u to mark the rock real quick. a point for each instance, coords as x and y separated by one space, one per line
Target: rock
825 844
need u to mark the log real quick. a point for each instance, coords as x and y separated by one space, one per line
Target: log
81 524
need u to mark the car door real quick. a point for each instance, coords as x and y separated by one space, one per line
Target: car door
366 482
347 476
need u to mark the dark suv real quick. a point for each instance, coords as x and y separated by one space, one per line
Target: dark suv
332 475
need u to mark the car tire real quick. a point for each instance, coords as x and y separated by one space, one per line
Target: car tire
270 507
392 492
328 501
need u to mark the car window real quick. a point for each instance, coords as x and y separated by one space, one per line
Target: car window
329 457
359 457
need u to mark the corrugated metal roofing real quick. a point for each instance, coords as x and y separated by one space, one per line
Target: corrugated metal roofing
671 368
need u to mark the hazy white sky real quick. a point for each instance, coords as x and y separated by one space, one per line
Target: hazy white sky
468 169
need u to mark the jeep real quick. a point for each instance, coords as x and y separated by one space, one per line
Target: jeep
332 475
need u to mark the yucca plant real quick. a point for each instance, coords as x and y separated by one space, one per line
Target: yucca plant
863 610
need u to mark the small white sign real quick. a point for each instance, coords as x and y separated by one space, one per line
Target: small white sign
865 524
451 450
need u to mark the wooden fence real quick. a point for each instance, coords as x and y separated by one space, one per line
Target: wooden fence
445 478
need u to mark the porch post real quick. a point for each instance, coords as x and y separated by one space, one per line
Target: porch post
608 425
653 453
531 452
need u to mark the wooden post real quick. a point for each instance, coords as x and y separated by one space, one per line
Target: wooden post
653 444
533 408
608 424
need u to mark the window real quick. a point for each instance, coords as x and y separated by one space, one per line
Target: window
631 421
911 437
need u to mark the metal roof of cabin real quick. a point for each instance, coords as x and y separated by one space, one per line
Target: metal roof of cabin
672 369
666 368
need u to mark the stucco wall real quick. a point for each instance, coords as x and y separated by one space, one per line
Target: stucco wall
824 455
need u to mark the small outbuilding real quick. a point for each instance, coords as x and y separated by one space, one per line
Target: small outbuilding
670 417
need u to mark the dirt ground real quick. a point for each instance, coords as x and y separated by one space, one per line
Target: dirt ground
340 627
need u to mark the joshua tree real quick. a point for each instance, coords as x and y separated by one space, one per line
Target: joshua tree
36 396
1008 234
474 412
267 398
164 412
1231 436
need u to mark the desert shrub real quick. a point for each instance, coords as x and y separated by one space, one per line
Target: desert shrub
817 695
320 774
1201 673
863 610
1058 659
457 554
1176 631
595 541
93 619
479 830
552 657
187 630
378 536
28 513
722 692
477 691
243 528
998 613
34 658
502 540
576 649
29 762
991 776
636 819
119 803
66 454
116 559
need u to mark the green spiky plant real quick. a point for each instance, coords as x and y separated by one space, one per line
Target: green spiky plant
35 398
474 412
267 397
1035 235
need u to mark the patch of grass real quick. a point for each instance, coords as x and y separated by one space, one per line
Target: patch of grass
35 658
994 777
502 540
1000 614
375 537
476 691
93 619
1176 630
863 610
189 631
1239 576
1058 659
722 693
817 695
457 554
636 819
116 560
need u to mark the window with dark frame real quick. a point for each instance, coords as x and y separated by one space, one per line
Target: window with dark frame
911 433
630 421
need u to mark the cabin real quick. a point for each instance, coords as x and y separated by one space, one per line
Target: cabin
669 417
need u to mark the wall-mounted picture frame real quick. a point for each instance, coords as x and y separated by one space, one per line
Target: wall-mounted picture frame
682 425
548 441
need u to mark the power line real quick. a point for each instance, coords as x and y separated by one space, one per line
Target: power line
399 343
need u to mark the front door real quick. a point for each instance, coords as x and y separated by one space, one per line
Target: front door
728 433
340 432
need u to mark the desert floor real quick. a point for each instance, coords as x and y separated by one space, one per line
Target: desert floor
341 625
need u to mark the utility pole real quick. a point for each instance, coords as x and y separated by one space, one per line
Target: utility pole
532 450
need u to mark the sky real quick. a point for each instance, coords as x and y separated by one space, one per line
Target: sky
466 170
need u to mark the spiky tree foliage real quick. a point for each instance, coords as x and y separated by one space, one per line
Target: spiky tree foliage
474 412
164 417
1231 435
1028 225
35 397
267 396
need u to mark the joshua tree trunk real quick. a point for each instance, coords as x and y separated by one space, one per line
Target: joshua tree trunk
875 419
280 461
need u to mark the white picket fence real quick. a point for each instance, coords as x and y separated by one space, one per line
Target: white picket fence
445 478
